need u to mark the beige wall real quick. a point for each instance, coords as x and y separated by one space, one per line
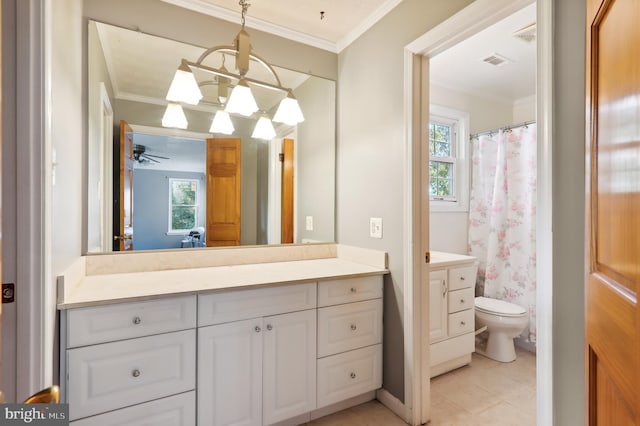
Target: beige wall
371 144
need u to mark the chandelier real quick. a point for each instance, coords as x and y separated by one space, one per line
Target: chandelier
185 89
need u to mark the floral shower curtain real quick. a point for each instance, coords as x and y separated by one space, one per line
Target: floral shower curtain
502 217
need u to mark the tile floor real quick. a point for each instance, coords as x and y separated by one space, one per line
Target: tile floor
484 393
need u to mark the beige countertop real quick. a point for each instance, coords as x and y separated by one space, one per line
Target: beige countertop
441 259
77 289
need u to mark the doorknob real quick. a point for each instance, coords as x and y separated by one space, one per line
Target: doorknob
122 237
49 395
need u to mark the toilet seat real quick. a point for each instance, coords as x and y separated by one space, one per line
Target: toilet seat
498 307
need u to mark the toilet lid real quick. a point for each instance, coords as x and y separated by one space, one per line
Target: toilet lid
499 307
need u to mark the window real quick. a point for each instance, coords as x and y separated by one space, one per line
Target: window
448 159
183 204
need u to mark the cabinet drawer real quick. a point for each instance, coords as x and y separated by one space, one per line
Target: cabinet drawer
230 306
459 300
335 292
115 375
345 327
462 277
461 322
349 374
178 410
101 324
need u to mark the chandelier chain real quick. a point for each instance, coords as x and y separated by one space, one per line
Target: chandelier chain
244 5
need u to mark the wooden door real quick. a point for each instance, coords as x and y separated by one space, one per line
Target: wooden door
123 191
223 192
230 374
1 341
289 373
287 192
613 213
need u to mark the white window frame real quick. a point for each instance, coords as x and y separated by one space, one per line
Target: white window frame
172 231
459 120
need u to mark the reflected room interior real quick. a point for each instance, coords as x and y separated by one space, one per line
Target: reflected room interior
154 186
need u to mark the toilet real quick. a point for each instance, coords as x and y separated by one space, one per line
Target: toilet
504 321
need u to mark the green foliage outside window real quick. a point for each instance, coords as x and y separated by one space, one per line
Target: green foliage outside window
184 197
441 174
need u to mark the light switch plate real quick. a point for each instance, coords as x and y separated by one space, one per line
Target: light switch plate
375 227
309 226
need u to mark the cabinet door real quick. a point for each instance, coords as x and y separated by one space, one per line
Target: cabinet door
437 305
289 375
230 374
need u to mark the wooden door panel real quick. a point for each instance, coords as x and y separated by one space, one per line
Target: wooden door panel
224 170
287 192
613 213
123 190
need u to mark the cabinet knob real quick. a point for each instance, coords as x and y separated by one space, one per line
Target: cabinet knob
463 323
135 373
353 289
461 300
137 320
257 329
269 327
353 375
461 278
353 327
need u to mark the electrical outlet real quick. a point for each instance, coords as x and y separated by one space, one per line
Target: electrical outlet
375 227
309 226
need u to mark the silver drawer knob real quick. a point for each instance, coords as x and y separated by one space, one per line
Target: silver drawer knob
353 375
137 320
461 278
353 289
463 323
135 373
269 327
461 300
257 329
354 327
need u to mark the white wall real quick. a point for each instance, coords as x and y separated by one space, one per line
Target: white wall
524 109
371 144
448 230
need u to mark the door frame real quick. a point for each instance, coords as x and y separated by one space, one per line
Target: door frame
470 20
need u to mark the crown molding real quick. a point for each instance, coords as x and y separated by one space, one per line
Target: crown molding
365 25
207 8
165 131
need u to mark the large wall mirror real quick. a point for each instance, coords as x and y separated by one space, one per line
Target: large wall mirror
170 184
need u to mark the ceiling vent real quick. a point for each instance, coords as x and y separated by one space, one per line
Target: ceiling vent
526 34
496 60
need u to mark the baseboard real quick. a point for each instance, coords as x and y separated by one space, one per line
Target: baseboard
393 404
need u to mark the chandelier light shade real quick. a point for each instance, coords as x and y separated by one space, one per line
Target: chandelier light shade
174 117
241 100
264 129
289 111
222 123
186 90
184 87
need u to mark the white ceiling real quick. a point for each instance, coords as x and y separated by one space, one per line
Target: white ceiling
343 22
462 68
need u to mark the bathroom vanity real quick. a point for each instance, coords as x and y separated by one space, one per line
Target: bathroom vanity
250 336
452 279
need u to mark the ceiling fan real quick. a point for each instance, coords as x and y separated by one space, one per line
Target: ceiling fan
141 156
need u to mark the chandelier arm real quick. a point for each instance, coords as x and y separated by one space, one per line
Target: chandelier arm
232 50
234 76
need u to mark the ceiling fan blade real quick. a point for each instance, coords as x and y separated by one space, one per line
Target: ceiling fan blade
156 156
146 157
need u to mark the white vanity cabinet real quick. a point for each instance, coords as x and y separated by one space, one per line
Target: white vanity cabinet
260 370
451 312
121 355
349 338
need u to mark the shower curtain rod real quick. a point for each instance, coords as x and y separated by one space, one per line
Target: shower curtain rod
514 126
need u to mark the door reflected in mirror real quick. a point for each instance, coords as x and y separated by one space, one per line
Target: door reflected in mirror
151 187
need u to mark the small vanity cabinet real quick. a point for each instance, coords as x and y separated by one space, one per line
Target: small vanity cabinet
451 311
137 358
